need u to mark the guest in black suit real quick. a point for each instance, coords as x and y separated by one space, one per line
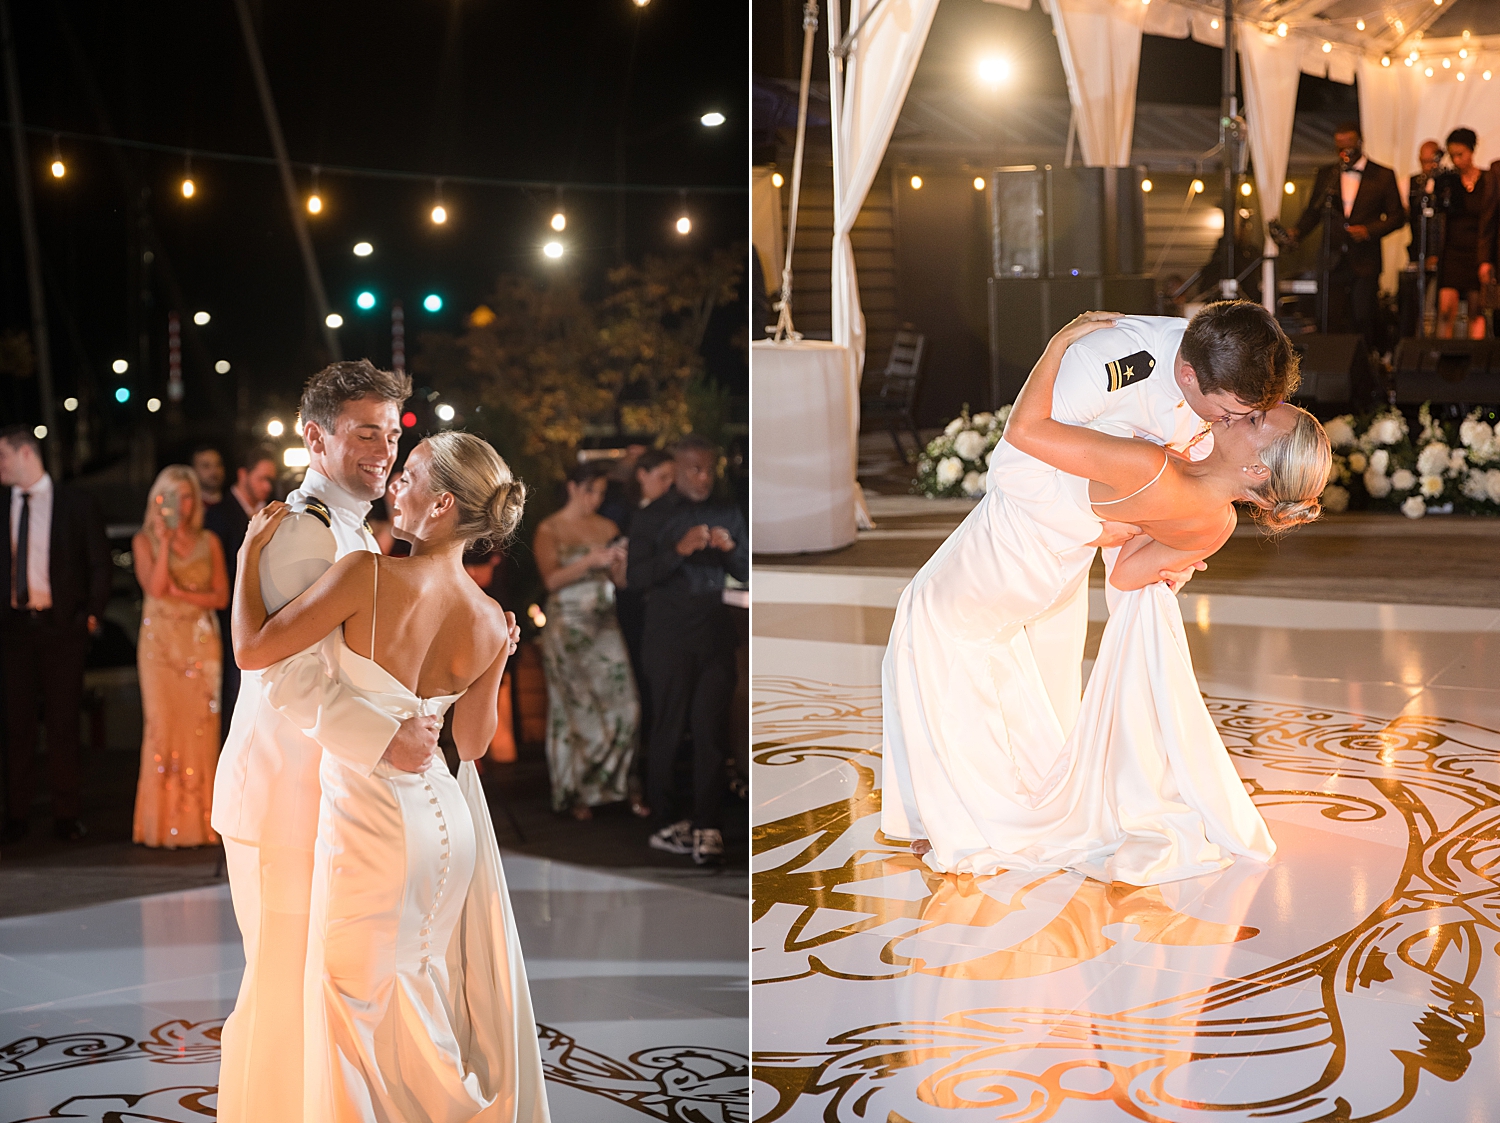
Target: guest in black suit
1465 196
681 548
255 479
56 574
1364 202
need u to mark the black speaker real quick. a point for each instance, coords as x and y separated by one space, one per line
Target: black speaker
1017 238
1335 369
1075 223
1450 371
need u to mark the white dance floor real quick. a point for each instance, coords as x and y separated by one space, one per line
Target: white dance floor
1349 979
112 1013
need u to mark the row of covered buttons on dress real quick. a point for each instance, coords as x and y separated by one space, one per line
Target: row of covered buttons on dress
437 895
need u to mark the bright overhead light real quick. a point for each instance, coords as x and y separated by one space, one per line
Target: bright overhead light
296 457
189 188
1281 30
153 405
994 70
776 179
1486 75
1213 23
70 404
432 302
1146 186
122 394
1327 47
1428 72
712 120
1359 25
554 250
1197 187
1463 52
201 318
274 427
297 425
1289 187
59 169
916 183
1408 62
444 412
40 432
1460 75
334 320
559 222
684 225
314 204
365 300
363 249
440 214
1244 189
979 183
222 366
1447 64
641 3
119 366
1385 60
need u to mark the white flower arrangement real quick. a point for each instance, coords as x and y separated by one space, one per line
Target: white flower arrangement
955 464
1446 468
1414 507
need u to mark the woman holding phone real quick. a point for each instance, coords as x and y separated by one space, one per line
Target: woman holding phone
181 570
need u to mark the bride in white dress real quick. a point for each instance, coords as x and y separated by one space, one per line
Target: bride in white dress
979 770
416 1004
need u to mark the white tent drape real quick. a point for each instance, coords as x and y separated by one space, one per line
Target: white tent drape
1273 70
1100 43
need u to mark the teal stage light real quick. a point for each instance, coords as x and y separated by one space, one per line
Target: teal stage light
365 300
433 303
122 395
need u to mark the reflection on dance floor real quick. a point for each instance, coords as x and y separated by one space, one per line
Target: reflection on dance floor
1346 980
112 1014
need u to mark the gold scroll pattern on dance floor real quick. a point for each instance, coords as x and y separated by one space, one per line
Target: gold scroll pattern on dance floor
834 899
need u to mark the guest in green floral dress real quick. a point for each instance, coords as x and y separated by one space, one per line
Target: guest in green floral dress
592 710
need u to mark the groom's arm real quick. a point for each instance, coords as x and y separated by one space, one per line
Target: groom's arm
342 721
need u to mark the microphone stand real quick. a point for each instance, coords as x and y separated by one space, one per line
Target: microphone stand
1427 213
1325 270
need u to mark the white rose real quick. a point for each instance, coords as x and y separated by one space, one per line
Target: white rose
1402 480
1488 449
973 485
1458 460
1414 507
1380 460
1433 460
1475 433
1340 431
1358 462
949 471
1432 486
1492 484
1385 431
1474 485
983 421
1002 415
1335 498
1377 484
969 444
953 426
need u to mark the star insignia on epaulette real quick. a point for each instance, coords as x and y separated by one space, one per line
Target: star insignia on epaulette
1131 369
318 510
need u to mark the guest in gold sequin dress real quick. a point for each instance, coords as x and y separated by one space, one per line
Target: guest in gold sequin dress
181 570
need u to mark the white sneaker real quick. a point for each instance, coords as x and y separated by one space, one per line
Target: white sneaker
676 839
708 847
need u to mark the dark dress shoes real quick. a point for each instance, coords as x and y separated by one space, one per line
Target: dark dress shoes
14 831
70 830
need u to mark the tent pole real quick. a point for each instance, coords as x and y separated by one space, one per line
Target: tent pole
1229 287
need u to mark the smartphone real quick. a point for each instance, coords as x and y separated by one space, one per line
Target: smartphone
169 511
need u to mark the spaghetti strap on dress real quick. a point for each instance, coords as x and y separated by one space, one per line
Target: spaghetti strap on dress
1165 456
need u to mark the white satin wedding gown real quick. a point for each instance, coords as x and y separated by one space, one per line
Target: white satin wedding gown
976 760
416 1005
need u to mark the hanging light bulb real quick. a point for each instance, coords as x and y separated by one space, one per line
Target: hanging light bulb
1245 189
916 183
440 214
777 179
1385 60
684 225
1327 47
979 183
1447 64
189 188
559 222
59 169
1289 187
1281 30
314 204
1359 25
1197 187
1146 186
553 250
1461 75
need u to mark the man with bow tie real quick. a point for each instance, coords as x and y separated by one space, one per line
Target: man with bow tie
1363 204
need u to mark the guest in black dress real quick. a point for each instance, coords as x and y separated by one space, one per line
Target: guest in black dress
1463 196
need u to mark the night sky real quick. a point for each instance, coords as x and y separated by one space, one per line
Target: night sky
439 87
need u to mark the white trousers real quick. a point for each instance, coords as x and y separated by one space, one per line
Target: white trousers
260 1072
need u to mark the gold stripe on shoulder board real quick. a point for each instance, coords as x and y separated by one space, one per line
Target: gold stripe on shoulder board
319 510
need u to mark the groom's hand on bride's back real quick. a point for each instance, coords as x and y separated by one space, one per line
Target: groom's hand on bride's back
415 744
1113 534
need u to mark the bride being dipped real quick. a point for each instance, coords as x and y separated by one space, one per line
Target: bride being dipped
981 770
416 1004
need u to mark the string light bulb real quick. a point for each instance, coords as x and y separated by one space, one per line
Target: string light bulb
153 405
274 427
1244 189
553 250
1447 64
777 179
1463 52
1289 187
1486 75
916 183
1327 47
1197 187
439 214
1214 23
1461 76
1359 25
334 320
1281 30
314 204
189 189
1428 72
684 225
1146 186
559 222
59 169
1385 60
979 183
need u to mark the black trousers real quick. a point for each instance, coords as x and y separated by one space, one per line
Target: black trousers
229 688
1354 303
43 665
692 690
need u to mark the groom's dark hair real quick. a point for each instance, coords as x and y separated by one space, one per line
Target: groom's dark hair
326 392
1238 347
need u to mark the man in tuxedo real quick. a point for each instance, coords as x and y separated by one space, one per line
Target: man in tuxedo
1363 203
56 574
255 479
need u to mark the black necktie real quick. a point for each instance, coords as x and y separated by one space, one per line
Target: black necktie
23 550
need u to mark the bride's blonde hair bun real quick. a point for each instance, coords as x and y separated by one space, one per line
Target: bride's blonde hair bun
1299 461
490 500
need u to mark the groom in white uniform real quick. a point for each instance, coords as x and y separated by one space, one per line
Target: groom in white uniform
266 792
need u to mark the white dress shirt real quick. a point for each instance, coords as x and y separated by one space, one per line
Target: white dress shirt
39 542
1349 183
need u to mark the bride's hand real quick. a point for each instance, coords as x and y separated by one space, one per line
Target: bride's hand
1177 578
1082 326
263 526
512 634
